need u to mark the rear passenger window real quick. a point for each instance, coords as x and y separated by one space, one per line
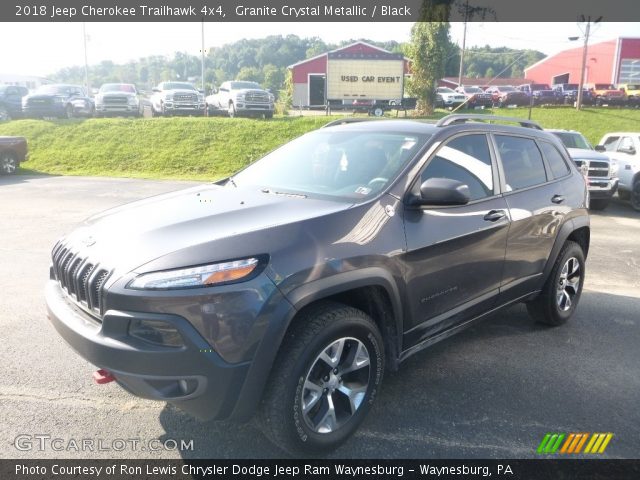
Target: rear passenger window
559 167
467 160
522 162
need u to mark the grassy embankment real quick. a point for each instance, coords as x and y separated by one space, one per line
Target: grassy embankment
210 148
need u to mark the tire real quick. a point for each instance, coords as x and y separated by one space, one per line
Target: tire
635 195
561 292
268 115
378 112
8 163
624 195
231 110
322 330
68 112
599 203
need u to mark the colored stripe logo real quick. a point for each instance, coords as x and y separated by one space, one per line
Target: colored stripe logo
568 443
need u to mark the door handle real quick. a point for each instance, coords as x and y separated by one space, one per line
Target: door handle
495 215
557 199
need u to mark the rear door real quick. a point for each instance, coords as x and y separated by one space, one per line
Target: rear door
537 206
455 254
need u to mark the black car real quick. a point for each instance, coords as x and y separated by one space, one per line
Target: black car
290 287
11 101
60 100
569 93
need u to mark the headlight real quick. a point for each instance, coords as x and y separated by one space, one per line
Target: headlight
240 96
613 170
168 96
58 99
272 97
204 276
99 100
200 97
132 101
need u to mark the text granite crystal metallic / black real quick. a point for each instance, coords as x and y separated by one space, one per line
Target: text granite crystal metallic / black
288 289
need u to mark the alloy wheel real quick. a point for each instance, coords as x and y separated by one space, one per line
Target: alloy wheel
7 164
568 284
335 385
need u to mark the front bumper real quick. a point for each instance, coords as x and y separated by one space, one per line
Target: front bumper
38 111
123 109
602 187
254 107
177 107
192 377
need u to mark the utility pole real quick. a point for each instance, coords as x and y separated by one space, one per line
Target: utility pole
583 69
202 57
86 63
464 42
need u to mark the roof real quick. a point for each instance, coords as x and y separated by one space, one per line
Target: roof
368 45
486 81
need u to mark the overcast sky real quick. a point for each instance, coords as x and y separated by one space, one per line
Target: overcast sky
43 48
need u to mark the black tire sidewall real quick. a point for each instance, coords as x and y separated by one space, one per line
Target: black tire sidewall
572 250
297 428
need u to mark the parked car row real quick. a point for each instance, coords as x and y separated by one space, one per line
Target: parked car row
234 98
598 94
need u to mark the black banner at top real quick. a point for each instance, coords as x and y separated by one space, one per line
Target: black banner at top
316 10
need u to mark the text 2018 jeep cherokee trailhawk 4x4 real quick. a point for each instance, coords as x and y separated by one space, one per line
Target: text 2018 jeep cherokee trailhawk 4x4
291 286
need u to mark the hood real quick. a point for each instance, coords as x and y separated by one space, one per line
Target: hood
249 90
582 154
11 140
116 94
184 91
132 235
44 96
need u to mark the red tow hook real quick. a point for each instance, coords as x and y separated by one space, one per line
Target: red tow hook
102 376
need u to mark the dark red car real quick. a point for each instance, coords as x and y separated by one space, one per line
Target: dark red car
13 151
507 95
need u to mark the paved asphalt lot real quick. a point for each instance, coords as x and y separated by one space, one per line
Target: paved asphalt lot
492 391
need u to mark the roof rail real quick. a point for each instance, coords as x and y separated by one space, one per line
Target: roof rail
464 117
346 120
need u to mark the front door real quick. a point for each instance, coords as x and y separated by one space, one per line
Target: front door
455 254
316 90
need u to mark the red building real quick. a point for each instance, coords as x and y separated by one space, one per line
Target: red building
614 61
310 75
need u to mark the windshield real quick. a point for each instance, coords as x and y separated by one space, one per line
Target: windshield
177 86
117 87
56 89
445 90
506 89
242 85
633 87
605 86
346 165
473 90
571 86
573 140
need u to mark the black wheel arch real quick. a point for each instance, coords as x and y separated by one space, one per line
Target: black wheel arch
576 229
371 290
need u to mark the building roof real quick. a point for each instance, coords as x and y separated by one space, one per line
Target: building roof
337 50
484 82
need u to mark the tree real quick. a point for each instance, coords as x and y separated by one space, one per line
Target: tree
429 50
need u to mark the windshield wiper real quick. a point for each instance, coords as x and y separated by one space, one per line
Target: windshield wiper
286 194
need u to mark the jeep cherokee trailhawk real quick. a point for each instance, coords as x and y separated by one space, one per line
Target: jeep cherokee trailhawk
289 288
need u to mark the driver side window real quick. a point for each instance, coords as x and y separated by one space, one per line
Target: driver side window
466 159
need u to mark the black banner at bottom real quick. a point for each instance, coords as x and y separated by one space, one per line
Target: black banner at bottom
538 469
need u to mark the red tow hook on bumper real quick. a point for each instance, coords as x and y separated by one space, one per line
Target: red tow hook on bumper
102 376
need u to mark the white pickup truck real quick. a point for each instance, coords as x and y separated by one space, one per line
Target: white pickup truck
241 98
626 147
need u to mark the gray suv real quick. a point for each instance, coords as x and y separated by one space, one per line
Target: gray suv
291 287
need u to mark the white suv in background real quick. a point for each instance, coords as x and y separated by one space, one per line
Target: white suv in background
626 146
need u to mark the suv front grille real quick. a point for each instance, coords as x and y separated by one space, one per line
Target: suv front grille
185 97
81 279
113 100
596 168
256 97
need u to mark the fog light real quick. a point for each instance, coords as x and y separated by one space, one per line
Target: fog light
156 332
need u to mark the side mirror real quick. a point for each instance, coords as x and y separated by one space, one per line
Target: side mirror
600 148
214 90
442 191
